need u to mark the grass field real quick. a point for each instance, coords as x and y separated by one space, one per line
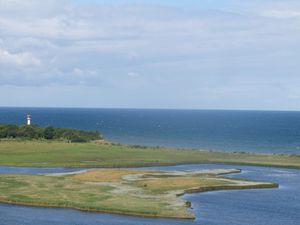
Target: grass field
130 192
61 154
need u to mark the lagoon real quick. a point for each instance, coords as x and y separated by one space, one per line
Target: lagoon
256 207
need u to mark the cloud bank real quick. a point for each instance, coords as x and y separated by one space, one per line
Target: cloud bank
234 55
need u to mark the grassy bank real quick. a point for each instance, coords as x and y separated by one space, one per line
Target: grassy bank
61 154
130 192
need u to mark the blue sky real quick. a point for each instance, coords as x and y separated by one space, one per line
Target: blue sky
211 54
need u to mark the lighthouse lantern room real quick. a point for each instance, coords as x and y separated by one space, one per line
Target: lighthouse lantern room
28 119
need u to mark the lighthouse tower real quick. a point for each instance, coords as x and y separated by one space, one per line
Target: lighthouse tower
28 119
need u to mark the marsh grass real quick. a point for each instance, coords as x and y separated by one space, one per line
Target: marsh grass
61 154
132 192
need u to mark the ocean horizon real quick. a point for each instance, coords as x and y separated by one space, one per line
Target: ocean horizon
219 130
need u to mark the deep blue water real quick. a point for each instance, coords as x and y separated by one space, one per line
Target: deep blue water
255 131
244 207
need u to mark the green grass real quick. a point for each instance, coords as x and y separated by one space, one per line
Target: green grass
61 154
117 191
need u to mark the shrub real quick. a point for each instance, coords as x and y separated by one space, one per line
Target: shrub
78 139
49 133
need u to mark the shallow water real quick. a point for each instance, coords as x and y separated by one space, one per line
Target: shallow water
30 170
243 207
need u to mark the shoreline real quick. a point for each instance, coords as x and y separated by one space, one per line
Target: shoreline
152 165
188 203
94 210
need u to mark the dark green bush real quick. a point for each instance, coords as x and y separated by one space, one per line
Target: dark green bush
49 133
78 139
8 131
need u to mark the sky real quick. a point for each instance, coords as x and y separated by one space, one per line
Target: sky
196 54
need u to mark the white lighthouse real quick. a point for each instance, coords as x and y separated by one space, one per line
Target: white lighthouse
28 119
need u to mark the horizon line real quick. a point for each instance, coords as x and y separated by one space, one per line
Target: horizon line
141 108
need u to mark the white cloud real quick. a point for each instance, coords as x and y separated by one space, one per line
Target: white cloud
53 42
18 59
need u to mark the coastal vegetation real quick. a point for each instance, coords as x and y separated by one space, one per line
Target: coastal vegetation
136 192
24 132
53 153
131 192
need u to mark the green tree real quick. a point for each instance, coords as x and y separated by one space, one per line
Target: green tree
12 131
27 132
49 133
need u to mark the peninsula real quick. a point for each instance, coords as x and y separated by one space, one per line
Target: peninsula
130 192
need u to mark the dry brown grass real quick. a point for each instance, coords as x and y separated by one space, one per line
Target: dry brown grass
105 175
178 183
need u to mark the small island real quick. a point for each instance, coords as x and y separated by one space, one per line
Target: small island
130 192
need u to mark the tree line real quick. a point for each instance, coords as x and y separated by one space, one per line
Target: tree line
48 133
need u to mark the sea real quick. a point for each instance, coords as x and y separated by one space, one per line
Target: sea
219 130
